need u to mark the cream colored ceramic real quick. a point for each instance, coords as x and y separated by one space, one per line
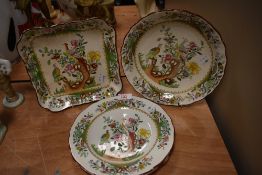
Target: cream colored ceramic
173 57
121 136
72 63
146 7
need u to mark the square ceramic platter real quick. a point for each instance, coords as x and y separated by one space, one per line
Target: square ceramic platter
173 57
122 136
71 64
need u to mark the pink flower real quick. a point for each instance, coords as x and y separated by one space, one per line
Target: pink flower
74 43
117 137
192 45
69 68
168 58
131 120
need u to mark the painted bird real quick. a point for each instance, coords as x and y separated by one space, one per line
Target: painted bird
153 52
105 137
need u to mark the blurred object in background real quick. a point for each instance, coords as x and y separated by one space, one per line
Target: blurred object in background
2 131
160 4
9 33
82 9
49 12
145 7
12 98
124 2
69 7
45 6
38 12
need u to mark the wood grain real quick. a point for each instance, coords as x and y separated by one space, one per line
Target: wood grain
37 139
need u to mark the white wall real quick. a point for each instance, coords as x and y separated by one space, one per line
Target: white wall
236 103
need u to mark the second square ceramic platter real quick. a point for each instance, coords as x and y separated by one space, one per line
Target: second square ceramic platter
173 57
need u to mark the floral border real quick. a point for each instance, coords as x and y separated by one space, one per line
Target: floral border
33 68
78 142
124 170
149 91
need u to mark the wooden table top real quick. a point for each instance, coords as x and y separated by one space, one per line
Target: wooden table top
37 140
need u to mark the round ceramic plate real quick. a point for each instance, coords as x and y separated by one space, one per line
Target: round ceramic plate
173 57
121 136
